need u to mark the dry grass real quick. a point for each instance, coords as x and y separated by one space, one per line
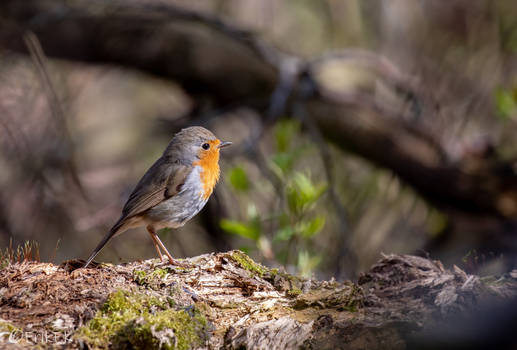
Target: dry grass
28 251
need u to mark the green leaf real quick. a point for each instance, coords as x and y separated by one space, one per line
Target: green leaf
282 163
285 131
320 189
239 179
284 234
313 227
307 263
437 222
294 200
505 103
303 192
241 229
304 185
283 160
245 249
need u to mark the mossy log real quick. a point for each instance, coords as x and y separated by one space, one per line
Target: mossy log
226 300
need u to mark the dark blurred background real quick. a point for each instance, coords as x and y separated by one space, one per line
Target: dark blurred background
359 127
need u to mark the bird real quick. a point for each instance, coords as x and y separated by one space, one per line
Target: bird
173 190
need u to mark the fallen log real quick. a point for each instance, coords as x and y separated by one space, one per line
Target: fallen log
226 300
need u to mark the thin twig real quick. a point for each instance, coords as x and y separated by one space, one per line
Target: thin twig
40 62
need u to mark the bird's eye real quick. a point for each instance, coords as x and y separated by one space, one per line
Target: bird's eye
205 146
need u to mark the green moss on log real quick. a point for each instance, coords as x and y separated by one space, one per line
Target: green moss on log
248 264
138 321
151 279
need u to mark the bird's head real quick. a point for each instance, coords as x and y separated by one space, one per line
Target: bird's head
198 146
195 144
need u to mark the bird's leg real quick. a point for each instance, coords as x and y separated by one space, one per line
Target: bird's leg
156 245
157 240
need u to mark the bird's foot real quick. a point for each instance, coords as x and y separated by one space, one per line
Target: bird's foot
178 263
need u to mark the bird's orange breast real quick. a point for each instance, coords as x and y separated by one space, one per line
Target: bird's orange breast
209 163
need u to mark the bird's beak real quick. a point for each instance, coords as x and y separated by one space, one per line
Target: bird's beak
224 144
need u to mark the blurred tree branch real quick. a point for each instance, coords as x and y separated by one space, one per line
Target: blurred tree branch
58 112
210 58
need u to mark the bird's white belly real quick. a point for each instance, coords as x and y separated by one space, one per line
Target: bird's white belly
177 210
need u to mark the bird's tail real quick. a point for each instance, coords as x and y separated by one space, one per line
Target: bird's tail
117 228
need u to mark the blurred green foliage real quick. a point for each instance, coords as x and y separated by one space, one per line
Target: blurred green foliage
293 228
302 193
239 179
506 103
250 229
508 31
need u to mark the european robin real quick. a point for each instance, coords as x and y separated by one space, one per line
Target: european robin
174 189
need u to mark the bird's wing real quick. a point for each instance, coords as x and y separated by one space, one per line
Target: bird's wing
163 180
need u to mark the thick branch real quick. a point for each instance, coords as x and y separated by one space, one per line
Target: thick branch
384 142
174 44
